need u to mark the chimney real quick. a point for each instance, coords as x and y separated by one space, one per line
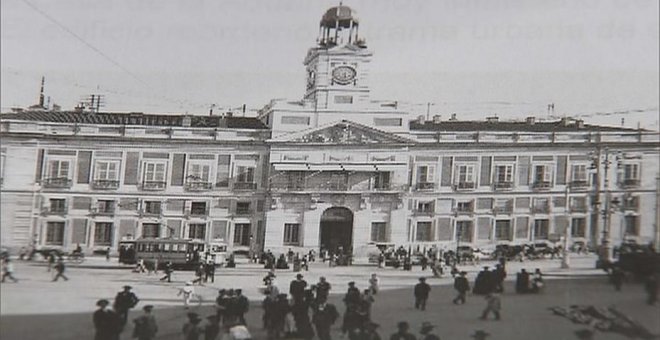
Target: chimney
186 121
530 120
41 92
453 118
420 119
437 119
492 119
579 124
565 121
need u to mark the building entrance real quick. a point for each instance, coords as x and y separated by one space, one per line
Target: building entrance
337 230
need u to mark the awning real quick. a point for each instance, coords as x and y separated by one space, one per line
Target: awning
338 167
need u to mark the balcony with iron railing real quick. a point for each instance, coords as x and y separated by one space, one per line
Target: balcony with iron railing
154 185
503 210
464 210
631 204
502 185
464 186
541 208
59 183
627 183
579 208
578 185
103 211
151 212
424 186
244 186
197 186
197 212
105 184
54 210
542 185
424 211
243 211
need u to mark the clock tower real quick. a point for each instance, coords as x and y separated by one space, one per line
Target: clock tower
338 67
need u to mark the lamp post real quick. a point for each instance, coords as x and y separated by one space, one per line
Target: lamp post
565 260
605 252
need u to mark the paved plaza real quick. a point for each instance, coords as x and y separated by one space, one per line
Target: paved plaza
36 308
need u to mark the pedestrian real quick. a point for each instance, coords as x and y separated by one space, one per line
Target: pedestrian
651 287
493 305
242 306
209 271
499 274
300 313
480 335
617 277
537 281
322 288
324 316
425 332
352 296
145 325
191 329
482 284
297 289
8 270
168 272
402 332
373 284
462 286
522 282
106 322
421 292
107 254
188 292
212 327
199 274
59 270
51 261
124 301
278 315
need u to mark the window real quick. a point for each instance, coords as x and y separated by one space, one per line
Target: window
631 171
579 173
424 231
243 208
242 234
297 120
105 206
197 230
198 173
425 207
388 121
541 205
464 231
579 204
631 225
152 207
58 169
57 205
378 232
542 176
151 230
382 181
464 207
465 176
103 234
55 233
541 229
503 205
343 99
198 208
154 172
425 176
245 174
106 170
503 230
292 234
503 174
578 227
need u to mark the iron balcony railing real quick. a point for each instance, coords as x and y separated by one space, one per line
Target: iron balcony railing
105 184
578 185
59 182
425 186
198 186
629 183
541 185
154 185
464 186
244 186
503 185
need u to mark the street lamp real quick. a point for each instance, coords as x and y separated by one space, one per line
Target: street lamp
605 252
565 260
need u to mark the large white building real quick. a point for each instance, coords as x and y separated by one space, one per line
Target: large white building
334 169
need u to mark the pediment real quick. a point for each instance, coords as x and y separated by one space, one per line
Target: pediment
343 132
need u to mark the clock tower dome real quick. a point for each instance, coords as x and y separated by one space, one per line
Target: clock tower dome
338 66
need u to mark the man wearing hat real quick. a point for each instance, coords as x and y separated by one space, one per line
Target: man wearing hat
422 290
297 289
106 322
462 286
425 331
402 333
324 316
145 325
192 329
124 301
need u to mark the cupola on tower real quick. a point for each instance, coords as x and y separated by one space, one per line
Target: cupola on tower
337 67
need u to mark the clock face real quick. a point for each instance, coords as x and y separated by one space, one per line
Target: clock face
343 74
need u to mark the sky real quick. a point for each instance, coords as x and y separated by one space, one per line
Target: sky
594 59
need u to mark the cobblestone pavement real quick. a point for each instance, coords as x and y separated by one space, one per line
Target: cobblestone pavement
62 310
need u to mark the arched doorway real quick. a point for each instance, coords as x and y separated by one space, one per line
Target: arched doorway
337 229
